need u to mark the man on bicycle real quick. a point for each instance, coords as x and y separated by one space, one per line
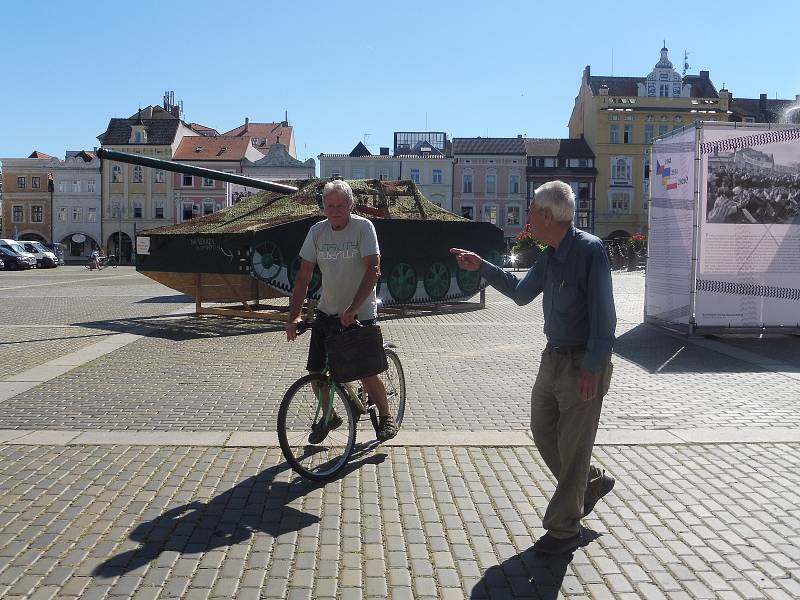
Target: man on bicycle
345 247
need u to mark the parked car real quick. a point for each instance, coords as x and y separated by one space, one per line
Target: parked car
2 265
15 261
58 249
17 248
44 258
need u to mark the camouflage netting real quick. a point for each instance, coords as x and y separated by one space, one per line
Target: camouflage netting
375 199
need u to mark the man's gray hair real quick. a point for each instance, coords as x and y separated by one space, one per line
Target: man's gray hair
558 197
338 187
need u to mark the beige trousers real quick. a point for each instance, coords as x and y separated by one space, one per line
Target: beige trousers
564 429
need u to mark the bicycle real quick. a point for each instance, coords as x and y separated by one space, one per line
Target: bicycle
102 262
304 405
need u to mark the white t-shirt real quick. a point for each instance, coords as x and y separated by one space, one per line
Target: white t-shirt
339 254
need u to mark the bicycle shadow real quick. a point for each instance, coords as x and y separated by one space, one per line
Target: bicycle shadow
528 575
257 504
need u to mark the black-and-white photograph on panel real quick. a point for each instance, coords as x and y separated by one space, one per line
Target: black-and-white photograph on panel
754 185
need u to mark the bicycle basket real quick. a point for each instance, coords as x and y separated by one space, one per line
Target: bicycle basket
356 353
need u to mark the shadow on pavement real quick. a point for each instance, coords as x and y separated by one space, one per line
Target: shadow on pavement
658 352
527 575
183 328
175 299
257 504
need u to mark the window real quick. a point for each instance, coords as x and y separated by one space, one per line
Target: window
628 134
621 168
62 214
651 89
513 184
620 202
383 174
648 133
77 214
335 173
676 91
663 90
490 213
91 216
437 176
583 195
467 185
115 209
468 211
137 210
359 173
491 186
662 130
158 176
90 186
159 212
21 183
76 186
415 175
138 176
116 174
614 137
36 214
583 163
647 168
36 183
17 214
187 181
208 182
188 210
513 215
208 207
61 186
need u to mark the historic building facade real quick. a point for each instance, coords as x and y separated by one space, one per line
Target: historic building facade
619 117
489 177
567 160
135 197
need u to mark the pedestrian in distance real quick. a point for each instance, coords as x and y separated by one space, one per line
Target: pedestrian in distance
575 371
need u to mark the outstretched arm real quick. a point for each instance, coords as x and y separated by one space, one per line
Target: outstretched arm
521 292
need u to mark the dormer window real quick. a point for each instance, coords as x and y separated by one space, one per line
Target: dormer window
138 134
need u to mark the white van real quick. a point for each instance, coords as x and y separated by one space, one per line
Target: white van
17 247
44 257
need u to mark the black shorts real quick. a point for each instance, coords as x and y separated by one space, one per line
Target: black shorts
323 325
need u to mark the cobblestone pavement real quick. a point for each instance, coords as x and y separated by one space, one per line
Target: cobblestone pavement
685 520
700 521
465 371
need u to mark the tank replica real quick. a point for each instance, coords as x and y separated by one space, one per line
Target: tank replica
249 251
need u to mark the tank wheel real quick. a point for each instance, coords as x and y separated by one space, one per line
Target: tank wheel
494 257
437 280
402 282
267 260
468 281
316 278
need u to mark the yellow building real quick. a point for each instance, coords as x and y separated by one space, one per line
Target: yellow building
134 197
619 117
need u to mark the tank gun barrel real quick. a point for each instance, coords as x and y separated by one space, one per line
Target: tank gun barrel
167 165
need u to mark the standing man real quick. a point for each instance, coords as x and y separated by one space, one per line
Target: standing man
345 246
575 371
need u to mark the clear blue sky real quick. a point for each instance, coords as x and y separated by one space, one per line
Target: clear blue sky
343 69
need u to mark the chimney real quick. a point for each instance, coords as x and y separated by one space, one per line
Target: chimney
762 102
384 151
246 123
703 74
519 136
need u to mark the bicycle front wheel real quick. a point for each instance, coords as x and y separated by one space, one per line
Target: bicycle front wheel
311 403
394 381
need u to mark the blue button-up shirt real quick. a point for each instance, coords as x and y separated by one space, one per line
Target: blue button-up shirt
578 297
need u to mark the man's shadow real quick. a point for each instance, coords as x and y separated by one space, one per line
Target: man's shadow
527 575
257 504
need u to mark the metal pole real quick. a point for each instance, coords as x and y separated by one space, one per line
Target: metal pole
119 233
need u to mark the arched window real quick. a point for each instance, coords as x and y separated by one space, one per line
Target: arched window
137 174
116 174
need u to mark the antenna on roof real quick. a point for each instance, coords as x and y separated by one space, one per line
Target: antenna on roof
366 137
612 62
686 62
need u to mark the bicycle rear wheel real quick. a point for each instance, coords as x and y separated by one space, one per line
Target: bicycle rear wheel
300 410
112 262
394 381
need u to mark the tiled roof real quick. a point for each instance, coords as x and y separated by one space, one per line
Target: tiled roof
159 131
559 148
266 133
203 130
37 154
279 157
702 87
762 110
488 146
360 150
223 147
370 157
